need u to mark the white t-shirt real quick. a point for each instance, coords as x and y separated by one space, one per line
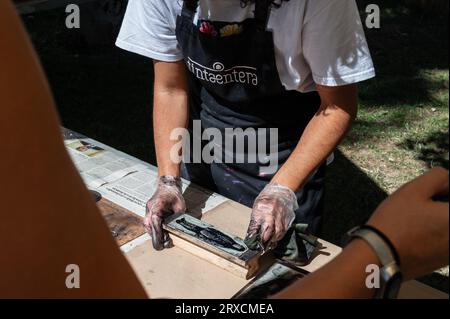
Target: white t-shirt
316 41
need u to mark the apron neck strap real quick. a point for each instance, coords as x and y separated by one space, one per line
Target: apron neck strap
262 12
189 9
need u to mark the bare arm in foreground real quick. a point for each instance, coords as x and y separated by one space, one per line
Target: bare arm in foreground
416 225
48 218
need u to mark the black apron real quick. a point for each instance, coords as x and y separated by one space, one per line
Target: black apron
234 83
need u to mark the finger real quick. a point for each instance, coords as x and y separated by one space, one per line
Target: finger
252 237
179 206
254 226
148 225
168 243
271 245
267 232
147 218
432 183
436 181
278 224
147 222
157 233
279 230
251 233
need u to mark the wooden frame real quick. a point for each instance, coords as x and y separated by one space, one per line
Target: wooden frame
243 263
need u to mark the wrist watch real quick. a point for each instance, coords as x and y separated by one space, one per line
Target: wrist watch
390 275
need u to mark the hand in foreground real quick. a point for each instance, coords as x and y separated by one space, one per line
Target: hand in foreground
272 216
166 200
416 224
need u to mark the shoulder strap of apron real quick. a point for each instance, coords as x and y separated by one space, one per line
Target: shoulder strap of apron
262 11
189 9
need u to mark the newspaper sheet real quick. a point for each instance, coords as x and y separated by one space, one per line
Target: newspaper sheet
98 166
134 190
127 181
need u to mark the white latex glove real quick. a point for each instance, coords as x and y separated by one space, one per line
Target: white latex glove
166 200
272 216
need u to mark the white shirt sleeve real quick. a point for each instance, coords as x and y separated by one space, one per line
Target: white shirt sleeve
148 29
334 44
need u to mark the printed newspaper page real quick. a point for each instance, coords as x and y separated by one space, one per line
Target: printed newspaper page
98 166
134 190
127 181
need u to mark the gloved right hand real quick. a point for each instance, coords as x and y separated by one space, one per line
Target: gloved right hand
272 215
166 200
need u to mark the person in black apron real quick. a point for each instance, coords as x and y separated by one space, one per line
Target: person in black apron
259 104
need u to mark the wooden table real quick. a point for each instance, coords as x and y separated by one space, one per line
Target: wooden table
175 273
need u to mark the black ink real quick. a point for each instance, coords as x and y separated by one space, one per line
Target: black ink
211 235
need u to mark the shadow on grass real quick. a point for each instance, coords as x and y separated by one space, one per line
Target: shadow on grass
351 198
408 42
433 150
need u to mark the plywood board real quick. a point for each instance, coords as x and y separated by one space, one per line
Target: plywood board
175 273
124 225
231 217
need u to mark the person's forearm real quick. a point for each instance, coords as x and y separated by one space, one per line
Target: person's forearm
320 138
170 112
343 277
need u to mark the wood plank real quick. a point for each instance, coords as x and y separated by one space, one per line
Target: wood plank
231 217
212 244
124 225
219 261
416 290
176 273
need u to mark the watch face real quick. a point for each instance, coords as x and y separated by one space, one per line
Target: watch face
393 286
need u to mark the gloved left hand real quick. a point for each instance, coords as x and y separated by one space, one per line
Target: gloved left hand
272 216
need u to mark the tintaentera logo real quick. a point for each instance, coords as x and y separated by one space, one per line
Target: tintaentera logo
219 74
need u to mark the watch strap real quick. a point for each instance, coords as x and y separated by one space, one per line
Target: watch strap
386 240
378 244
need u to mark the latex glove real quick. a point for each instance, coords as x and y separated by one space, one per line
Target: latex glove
272 216
167 200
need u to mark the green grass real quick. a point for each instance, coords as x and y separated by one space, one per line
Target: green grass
395 143
402 126
403 123
401 130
